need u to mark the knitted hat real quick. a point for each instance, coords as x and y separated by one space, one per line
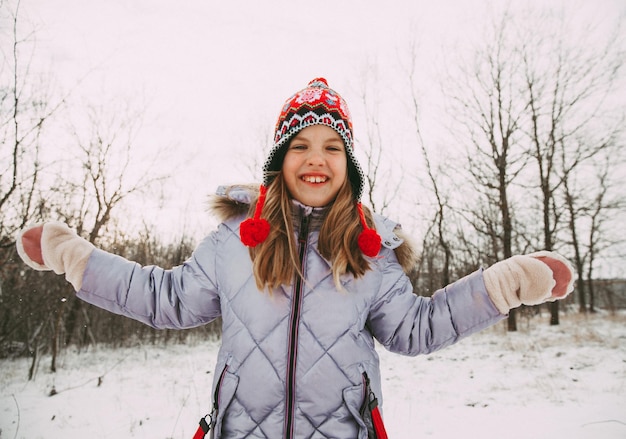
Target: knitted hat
317 104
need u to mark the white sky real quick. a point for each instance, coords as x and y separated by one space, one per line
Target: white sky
214 74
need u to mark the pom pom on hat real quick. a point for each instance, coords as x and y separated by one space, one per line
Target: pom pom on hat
255 230
369 241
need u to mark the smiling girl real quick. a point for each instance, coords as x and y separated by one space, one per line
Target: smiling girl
305 279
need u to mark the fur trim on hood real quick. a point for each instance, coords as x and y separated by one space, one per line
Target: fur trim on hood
233 201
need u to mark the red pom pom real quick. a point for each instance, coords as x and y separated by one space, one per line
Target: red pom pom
369 242
254 231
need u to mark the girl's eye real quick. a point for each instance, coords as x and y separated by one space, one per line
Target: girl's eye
334 148
297 146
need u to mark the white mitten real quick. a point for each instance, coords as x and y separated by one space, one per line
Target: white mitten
528 279
54 246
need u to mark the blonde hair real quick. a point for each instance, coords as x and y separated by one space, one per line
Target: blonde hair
275 260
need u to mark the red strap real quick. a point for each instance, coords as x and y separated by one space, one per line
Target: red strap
199 433
202 430
379 427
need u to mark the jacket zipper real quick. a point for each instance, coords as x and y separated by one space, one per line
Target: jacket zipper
293 330
209 427
216 397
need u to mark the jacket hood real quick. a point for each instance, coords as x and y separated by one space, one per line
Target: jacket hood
233 201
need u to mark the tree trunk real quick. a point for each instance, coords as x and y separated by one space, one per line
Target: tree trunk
554 313
512 321
56 337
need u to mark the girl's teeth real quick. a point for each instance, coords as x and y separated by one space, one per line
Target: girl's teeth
315 179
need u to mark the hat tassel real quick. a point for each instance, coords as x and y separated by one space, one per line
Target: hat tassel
369 241
255 230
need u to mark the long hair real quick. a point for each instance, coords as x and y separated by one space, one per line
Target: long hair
275 260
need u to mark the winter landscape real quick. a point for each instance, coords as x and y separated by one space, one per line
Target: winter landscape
206 78
559 382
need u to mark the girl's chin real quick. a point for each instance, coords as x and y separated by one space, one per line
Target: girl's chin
314 201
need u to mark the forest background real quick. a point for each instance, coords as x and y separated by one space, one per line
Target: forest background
486 129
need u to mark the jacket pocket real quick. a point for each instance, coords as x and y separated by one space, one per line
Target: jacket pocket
370 412
224 393
353 398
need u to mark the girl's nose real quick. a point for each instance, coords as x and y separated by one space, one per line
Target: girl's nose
315 157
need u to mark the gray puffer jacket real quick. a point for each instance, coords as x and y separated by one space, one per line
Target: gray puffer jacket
293 363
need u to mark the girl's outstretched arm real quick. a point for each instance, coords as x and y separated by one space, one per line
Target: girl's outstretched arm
183 297
406 323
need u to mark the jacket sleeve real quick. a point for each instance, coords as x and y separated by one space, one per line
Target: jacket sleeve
409 324
183 297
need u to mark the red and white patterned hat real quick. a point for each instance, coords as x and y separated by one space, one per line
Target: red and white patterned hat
317 104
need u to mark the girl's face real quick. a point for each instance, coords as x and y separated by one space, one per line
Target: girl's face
315 165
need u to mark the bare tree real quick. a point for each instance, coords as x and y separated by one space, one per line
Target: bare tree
26 105
533 96
592 197
113 169
488 104
566 97
106 171
438 228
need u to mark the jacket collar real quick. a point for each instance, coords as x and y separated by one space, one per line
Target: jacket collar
230 202
316 215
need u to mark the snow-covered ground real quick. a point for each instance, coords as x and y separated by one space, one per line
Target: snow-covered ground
558 382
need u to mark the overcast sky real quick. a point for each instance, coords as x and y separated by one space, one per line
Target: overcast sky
214 74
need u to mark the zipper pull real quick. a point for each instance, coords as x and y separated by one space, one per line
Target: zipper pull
304 229
373 414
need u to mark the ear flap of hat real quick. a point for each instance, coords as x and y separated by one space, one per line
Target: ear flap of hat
369 241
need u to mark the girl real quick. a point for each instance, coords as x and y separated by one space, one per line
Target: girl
305 279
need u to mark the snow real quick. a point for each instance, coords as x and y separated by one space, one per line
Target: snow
565 381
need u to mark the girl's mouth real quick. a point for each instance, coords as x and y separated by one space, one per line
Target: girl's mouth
314 178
